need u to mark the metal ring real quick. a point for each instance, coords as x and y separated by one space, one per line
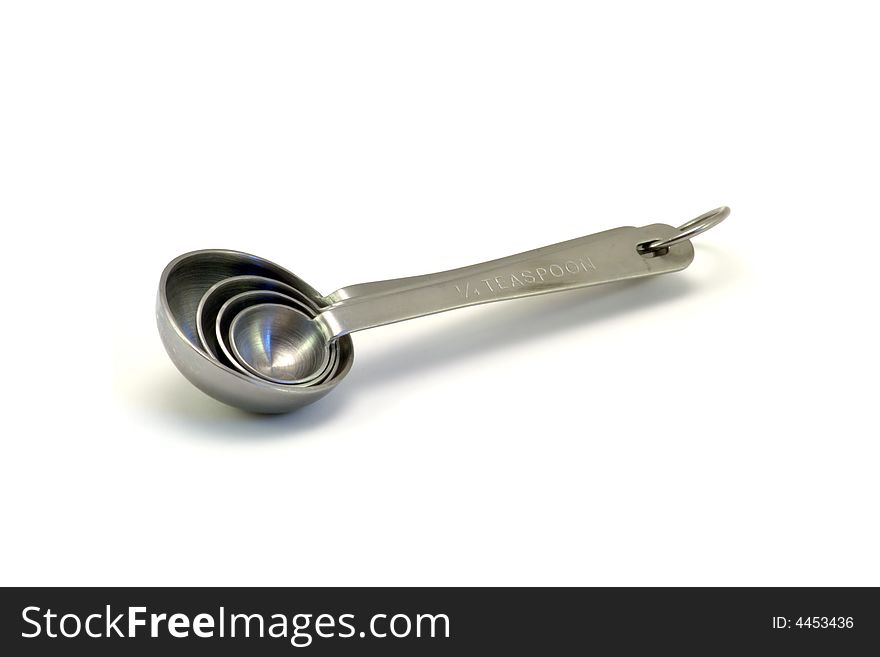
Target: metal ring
689 229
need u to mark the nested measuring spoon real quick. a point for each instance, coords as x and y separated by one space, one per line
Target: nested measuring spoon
243 300
219 293
618 254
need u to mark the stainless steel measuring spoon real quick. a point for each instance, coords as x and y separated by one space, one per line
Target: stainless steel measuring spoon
285 345
618 254
222 291
243 300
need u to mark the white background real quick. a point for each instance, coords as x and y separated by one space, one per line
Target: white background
716 426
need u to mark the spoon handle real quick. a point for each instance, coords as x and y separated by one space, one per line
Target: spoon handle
396 285
605 257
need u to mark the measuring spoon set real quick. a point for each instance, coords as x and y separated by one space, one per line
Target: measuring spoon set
253 335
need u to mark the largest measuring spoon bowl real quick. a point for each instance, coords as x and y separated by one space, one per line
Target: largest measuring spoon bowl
181 287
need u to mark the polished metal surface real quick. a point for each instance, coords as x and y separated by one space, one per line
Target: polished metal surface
222 291
240 302
278 343
287 346
181 287
286 350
